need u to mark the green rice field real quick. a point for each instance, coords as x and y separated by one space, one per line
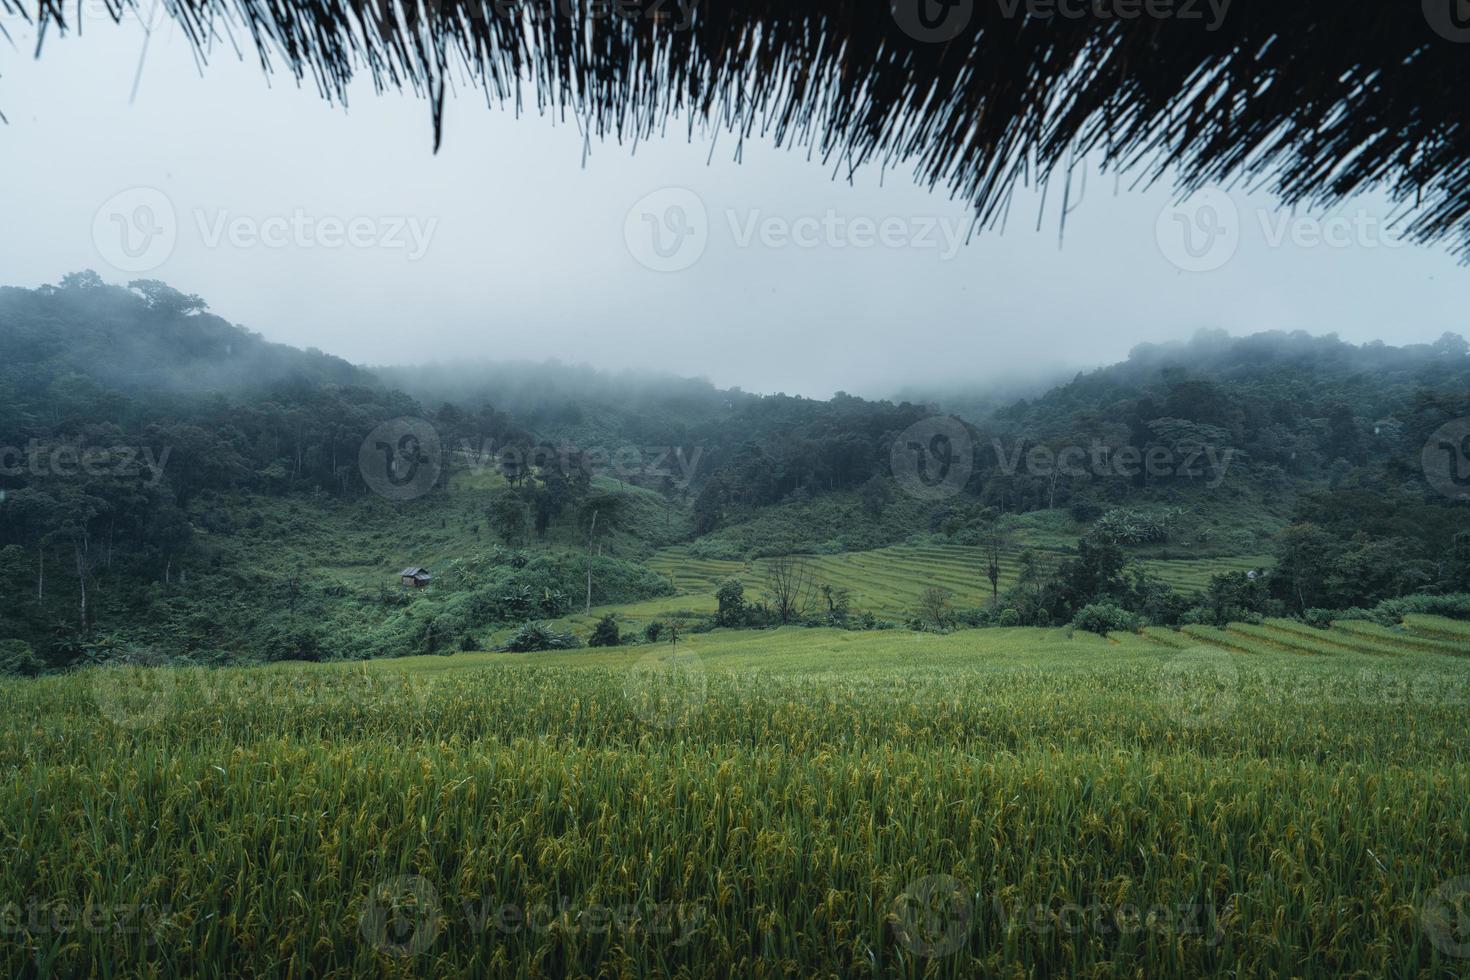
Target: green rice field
887 582
1254 801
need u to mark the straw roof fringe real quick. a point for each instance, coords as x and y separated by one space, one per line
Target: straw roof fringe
1310 99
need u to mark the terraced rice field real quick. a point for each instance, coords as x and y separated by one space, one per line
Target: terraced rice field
776 803
1193 575
1422 634
887 582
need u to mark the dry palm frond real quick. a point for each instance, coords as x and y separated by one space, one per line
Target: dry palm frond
1313 100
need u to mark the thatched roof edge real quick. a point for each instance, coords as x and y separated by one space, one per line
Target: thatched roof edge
1315 101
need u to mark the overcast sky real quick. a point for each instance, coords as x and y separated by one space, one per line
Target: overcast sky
341 229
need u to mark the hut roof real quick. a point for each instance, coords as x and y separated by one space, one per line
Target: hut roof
1312 99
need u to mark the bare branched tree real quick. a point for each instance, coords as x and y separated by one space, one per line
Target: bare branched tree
790 588
993 545
935 607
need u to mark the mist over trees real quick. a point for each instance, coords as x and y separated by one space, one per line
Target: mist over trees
167 476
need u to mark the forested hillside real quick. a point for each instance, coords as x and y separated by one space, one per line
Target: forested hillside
174 483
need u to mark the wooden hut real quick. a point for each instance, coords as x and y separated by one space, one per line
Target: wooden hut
414 577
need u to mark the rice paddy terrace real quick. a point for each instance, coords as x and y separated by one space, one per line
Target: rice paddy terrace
887 582
1417 634
1264 801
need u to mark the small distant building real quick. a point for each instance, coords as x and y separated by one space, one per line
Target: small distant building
414 577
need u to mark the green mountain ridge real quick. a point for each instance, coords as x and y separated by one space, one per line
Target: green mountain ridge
176 482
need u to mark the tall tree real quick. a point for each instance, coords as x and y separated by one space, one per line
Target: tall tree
790 588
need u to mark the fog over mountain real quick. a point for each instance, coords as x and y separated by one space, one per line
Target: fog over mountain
342 230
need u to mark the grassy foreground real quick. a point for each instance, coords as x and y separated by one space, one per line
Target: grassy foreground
996 802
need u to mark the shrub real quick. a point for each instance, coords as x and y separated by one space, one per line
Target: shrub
1008 617
1085 511
653 631
839 604
1103 618
1320 618
1127 526
605 633
935 608
731 596
537 636
1391 612
974 617
17 657
293 638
